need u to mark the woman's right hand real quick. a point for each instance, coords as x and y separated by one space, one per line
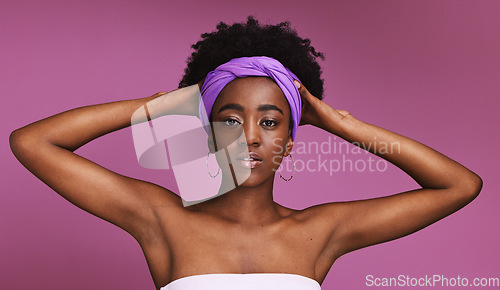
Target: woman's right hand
46 148
183 101
200 84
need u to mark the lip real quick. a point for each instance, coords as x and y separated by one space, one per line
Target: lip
249 160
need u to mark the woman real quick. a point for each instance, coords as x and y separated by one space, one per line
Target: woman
242 239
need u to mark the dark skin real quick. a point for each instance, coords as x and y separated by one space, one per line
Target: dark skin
244 230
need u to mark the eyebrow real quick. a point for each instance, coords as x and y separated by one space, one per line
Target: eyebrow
268 107
231 107
261 108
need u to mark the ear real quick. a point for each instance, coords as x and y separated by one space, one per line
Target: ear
211 142
289 145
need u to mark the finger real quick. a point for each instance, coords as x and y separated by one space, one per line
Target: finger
200 83
297 84
303 90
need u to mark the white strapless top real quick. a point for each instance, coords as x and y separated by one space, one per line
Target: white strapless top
252 281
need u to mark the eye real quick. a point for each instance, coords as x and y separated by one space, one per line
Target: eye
231 122
269 123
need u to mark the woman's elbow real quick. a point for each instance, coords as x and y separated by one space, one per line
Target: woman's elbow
471 185
14 139
19 142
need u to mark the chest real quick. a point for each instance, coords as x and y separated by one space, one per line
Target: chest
192 246
221 247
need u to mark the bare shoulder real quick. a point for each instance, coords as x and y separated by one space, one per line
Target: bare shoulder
313 230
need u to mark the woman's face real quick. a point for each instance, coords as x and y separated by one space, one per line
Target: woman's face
251 118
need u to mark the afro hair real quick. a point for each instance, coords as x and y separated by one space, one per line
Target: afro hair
252 39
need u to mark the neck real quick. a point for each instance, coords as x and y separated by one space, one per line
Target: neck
245 205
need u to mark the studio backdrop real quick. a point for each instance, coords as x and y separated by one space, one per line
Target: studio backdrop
428 70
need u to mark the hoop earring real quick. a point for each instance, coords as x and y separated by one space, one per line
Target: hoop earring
293 173
206 162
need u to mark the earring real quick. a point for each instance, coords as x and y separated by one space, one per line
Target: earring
206 162
293 162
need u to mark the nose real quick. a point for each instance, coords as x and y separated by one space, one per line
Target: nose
250 135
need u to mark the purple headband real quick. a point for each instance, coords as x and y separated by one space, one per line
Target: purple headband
265 66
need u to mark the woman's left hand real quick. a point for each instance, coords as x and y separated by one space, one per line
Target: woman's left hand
316 112
446 185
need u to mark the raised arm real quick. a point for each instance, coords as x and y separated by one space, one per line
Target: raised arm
446 185
46 149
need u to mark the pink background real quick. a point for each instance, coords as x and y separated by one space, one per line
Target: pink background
425 69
